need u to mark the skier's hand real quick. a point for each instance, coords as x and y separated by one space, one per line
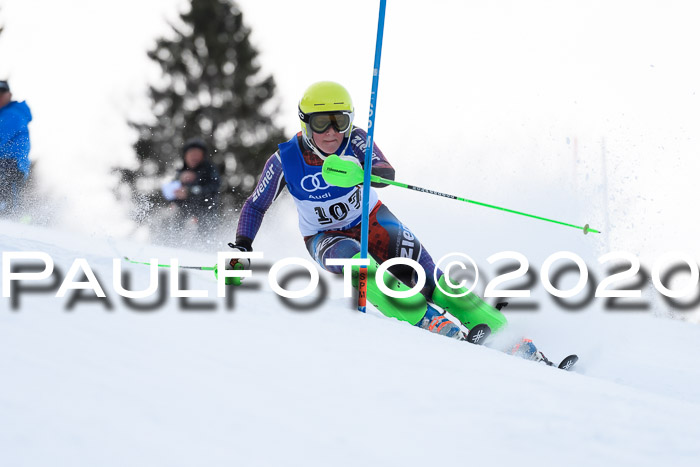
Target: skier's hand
187 176
231 263
236 263
181 193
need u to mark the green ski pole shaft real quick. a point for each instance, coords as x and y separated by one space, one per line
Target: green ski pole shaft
378 179
199 268
229 280
345 174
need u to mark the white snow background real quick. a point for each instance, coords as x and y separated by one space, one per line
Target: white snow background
582 112
483 100
263 384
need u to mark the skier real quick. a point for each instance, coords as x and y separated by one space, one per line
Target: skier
329 218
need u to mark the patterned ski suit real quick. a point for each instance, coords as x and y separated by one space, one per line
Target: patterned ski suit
329 217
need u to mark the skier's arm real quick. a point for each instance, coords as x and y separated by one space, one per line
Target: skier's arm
380 166
270 184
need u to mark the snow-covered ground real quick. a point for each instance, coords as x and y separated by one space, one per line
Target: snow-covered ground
261 383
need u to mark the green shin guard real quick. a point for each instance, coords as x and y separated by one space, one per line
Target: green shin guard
470 310
410 309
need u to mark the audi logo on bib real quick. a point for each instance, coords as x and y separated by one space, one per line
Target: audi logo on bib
314 182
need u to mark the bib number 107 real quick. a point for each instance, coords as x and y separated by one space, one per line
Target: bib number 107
338 211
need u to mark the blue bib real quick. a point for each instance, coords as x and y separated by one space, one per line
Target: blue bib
320 206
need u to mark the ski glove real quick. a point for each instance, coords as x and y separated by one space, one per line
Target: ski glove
236 263
245 262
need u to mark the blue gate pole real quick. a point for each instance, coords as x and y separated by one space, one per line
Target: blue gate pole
362 283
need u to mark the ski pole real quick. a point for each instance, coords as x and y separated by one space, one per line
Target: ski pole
364 231
215 268
346 173
200 268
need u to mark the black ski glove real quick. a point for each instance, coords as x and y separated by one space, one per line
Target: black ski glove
244 262
236 263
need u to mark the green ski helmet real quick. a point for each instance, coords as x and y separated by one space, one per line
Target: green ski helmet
324 104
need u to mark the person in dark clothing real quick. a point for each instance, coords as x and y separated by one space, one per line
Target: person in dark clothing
14 149
196 189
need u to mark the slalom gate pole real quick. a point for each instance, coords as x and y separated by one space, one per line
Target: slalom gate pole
362 280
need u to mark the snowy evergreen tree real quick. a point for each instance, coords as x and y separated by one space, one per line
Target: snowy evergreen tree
211 88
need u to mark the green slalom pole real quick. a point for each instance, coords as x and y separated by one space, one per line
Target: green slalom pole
344 173
215 268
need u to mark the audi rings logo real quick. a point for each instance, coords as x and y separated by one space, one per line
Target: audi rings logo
314 182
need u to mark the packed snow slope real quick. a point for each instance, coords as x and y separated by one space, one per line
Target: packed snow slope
98 383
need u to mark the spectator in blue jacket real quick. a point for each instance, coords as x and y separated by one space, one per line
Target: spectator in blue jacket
14 149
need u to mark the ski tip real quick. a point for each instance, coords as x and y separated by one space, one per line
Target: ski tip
568 362
478 334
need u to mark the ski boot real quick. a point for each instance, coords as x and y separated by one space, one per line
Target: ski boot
527 350
435 322
469 309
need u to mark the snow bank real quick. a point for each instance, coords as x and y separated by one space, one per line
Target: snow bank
262 384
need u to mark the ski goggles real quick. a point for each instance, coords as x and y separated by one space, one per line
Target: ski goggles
321 121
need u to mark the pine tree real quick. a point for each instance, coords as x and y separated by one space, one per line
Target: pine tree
212 88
